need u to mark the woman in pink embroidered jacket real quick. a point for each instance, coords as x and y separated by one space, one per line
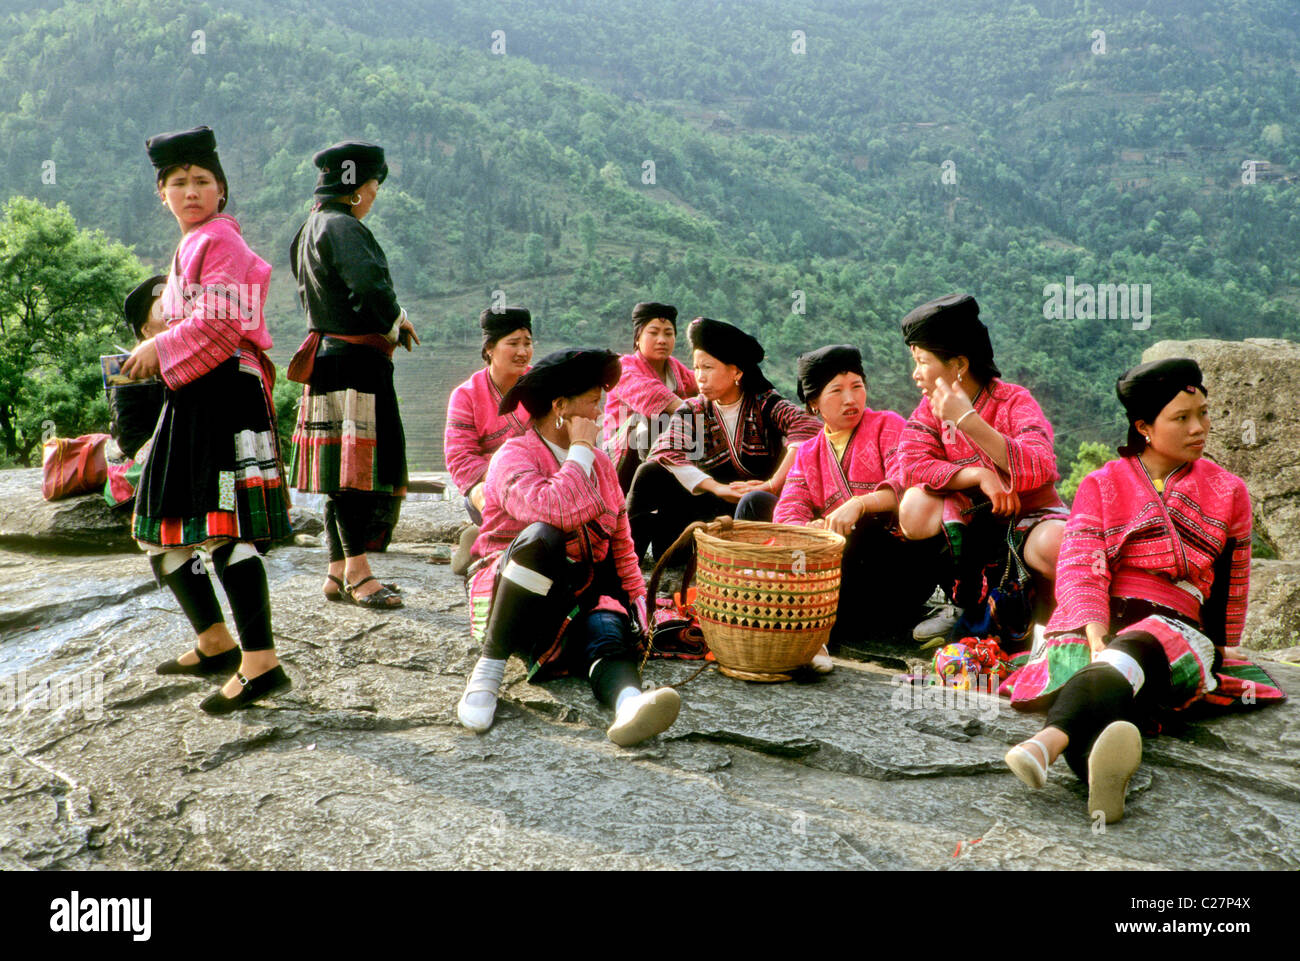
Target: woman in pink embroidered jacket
1152 589
976 457
654 383
214 477
475 429
555 578
846 479
727 451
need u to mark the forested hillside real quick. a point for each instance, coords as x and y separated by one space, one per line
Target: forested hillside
844 159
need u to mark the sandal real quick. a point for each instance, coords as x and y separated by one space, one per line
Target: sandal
381 599
342 597
1027 767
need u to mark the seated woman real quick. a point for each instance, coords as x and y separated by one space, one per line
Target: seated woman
474 428
654 383
555 577
976 455
135 409
737 437
846 480
1152 588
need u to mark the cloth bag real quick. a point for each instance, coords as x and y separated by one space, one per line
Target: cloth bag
73 465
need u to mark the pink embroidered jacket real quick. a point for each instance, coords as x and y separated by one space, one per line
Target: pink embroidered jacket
1123 539
818 482
525 484
475 430
638 396
216 291
928 460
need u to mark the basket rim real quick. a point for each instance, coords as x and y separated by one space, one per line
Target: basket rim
709 534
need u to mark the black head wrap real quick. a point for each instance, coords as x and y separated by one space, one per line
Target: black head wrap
182 148
139 302
564 373
647 311
731 345
346 166
1145 390
498 322
951 325
819 367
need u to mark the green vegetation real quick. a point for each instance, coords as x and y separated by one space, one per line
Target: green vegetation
774 172
60 308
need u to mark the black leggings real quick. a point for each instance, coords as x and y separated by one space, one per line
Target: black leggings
246 590
659 508
1099 695
350 522
537 588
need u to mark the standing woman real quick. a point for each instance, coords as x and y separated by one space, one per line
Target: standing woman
556 581
349 443
976 456
726 451
1153 581
653 383
213 476
846 480
475 429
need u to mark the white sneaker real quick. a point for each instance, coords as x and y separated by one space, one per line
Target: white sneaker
485 682
821 662
643 716
478 718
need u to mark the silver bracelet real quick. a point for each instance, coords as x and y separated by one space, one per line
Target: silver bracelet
957 423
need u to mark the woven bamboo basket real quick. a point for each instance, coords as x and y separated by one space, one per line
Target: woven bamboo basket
765 608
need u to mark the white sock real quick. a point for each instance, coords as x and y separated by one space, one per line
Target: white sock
490 671
623 695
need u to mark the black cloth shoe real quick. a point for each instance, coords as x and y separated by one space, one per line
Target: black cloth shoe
273 681
222 663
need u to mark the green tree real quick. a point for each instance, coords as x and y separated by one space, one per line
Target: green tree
61 292
1091 456
587 232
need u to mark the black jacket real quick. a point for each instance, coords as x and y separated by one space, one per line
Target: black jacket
135 412
342 274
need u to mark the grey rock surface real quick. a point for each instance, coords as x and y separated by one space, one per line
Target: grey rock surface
1273 613
1255 425
104 764
84 522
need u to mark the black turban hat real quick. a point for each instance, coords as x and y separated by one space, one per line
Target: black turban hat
139 302
1145 390
952 325
731 345
647 311
185 147
498 322
819 367
345 166
564 373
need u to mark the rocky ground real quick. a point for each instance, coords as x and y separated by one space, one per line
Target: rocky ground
104 764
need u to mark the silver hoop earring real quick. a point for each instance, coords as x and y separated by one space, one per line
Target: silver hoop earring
355 201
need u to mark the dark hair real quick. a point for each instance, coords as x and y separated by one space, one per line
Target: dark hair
982 371
807 404
490 342
213 167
